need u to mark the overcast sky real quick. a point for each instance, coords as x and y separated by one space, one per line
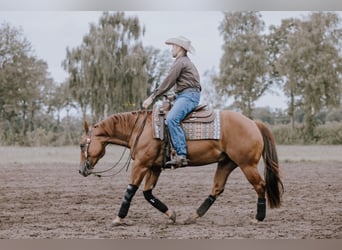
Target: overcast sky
51 32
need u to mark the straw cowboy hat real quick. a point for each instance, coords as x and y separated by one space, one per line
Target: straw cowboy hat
182 42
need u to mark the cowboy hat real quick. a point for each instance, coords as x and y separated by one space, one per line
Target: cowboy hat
182 42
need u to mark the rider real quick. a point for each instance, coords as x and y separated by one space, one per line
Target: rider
184 77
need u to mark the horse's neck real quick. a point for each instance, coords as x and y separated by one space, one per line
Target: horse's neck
119 127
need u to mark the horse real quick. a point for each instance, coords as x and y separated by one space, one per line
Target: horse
242 143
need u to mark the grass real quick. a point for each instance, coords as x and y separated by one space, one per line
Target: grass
71 154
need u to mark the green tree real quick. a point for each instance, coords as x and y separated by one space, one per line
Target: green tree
284 60
59 100
23 83
107 70
243 66
310 64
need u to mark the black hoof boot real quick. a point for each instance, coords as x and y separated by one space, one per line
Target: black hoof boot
261 209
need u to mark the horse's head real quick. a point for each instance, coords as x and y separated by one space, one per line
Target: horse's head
92 149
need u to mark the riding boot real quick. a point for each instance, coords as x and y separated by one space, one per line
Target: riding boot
177 162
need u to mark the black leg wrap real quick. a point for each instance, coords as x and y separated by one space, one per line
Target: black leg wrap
261 209
154 201
130 192
206 205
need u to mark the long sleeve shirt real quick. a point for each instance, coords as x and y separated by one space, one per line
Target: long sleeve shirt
182 75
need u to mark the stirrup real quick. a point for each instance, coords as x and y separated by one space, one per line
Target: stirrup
177 163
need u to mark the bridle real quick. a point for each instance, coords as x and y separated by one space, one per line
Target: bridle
85 146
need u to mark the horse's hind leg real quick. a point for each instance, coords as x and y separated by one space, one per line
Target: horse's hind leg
150 182
223 170
253 176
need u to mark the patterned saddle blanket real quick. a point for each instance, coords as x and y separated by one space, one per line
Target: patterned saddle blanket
201 124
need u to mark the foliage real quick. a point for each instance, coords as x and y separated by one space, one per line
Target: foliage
335 115
24 83
107 72
243 66
111 71
157 66
327 134
309 64
269 116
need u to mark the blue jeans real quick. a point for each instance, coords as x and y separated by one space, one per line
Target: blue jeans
183 105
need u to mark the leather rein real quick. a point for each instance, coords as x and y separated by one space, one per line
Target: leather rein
128 161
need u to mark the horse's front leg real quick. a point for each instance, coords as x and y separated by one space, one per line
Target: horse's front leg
150 182
137 175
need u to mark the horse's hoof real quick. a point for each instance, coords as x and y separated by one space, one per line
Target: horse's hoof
116 223
173 217
190 220
254 221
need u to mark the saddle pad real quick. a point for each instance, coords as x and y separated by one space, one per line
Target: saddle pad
203 130
193 130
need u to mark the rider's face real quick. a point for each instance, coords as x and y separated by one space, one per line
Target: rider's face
176 50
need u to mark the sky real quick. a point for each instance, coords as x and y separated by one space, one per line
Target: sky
51 32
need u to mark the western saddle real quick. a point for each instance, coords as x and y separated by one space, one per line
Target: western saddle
201 114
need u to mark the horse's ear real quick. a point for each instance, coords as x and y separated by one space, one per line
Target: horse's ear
86 127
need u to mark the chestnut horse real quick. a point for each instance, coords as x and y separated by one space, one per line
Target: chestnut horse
243 142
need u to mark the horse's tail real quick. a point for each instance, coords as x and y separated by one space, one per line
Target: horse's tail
274 185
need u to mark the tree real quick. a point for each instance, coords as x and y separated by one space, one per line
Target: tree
209 94
281 53
335 115
107 70
23 83
157 66
59 99
79 84
310 64
243 66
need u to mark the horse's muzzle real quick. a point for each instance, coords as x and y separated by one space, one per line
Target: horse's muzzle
86 169
82 172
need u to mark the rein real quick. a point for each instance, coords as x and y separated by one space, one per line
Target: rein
128 161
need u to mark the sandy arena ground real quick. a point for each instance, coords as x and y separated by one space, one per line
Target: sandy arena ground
43 196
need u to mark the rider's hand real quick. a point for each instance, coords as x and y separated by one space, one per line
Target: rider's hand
147 102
